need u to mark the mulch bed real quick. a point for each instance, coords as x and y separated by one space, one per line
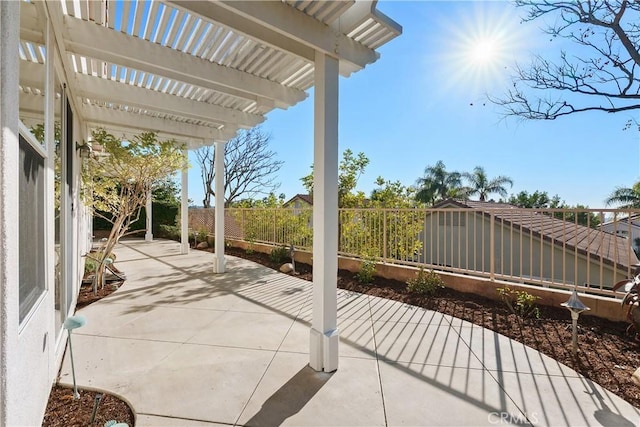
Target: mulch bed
65 411
607 355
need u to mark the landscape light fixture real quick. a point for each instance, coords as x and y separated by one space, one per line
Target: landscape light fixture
74 322
84 149
575 306
114 423
292 252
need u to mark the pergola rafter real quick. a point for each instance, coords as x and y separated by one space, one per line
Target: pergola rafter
197 71
227 63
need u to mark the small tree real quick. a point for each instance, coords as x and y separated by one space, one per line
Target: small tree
350 169
537 200
481 185
249 167
390 231
118 183
438 184
625 197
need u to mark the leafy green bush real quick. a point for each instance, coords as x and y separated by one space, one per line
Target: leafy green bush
198 236
279 254
520 303
367 270
425 282
163 214
90 265
169 232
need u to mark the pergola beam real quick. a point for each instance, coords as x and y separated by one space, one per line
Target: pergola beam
30 24
128 133
283 27
122 93
98 116
94 41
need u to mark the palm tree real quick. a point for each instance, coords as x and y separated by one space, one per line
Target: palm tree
437 183
627 198
480 184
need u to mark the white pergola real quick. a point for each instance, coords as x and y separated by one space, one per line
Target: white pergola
198 71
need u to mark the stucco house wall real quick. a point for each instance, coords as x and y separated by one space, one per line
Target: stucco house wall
32 347
625 228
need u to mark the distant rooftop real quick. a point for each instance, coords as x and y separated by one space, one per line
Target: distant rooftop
587 241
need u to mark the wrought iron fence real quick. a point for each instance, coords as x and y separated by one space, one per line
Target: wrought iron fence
588 248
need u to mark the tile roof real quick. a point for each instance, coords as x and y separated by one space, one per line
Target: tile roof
588 241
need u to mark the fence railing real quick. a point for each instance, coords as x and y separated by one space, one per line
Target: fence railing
588 248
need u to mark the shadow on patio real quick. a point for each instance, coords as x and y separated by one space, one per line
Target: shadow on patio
188 347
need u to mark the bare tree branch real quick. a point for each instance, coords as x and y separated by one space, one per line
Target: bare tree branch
604 76
249 167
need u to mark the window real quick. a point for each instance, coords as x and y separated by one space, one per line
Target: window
31 227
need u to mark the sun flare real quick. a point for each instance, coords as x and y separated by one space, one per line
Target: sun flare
484 51
480 43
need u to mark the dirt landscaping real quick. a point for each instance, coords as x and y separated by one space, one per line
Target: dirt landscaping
65 411
607 355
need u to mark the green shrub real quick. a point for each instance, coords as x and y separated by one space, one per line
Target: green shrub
198 236
169 232
163 214
279 254
367 270
425 282
90 265
520 303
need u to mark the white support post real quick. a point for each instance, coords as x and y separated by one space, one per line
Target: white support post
184 210
324 333
148 236
218 164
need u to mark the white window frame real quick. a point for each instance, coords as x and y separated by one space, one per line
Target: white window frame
42 151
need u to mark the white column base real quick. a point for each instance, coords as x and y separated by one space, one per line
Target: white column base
184 248
219 264
148 237
324 350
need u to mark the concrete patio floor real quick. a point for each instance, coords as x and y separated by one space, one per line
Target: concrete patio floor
186 347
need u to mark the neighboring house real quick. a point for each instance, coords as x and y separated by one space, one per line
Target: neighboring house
627 227
299 201
459 235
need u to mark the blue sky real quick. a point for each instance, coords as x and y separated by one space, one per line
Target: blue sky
422 101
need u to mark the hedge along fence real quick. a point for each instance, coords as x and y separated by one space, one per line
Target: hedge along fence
279 226
162 214
390 234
